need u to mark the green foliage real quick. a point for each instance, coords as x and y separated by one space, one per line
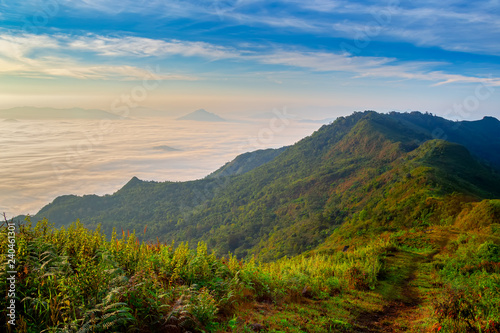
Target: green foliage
73 280
106 317
374 168
202 305
471 273
314 223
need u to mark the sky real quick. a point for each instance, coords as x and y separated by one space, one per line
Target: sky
321 58
286 59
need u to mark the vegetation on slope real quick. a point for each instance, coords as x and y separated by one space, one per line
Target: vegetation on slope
425 278
74 280
480 136
342 171
368 225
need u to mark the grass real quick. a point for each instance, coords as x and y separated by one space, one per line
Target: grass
417 279
75 280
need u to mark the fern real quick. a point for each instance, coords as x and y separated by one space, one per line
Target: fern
106 317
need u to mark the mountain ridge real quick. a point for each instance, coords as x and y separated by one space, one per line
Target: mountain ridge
367 164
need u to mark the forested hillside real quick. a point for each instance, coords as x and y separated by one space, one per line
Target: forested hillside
368 166
372 224
429 277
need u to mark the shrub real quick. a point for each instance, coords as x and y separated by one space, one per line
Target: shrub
456 309
202 305
357 279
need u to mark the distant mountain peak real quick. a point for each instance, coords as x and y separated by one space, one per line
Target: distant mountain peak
132 183
165 148
202 115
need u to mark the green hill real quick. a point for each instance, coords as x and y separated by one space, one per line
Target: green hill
283 202
480 136
372 224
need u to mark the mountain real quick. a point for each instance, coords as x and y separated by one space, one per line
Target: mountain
165 148
383 170
480 136
35 113
375 223
202 115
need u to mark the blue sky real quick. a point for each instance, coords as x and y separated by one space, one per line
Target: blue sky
319 58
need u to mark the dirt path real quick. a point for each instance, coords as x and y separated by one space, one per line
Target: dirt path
407 288
406 275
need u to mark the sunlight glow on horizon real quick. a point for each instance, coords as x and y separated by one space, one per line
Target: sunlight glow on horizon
84 54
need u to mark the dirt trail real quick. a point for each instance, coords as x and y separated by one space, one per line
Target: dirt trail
407 287
402 295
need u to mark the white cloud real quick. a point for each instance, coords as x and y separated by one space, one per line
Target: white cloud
447 24
323 61
143 47
20 56
47 56
377 67
450 25
17 46
103 72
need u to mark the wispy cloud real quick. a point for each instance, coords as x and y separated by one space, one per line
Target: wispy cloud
144 47
376 67
323 61
17 46
20 56
50 56
451 25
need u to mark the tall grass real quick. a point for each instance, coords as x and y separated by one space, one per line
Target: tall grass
74 280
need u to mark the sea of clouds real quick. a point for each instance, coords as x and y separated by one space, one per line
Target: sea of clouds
41 160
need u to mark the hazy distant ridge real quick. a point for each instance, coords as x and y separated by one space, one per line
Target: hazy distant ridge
35 113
